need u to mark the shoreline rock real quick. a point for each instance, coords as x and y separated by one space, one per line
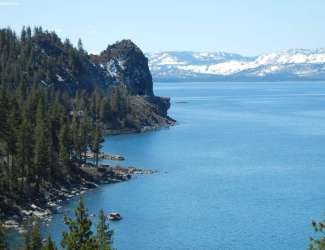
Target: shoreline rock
142 129
105 156
55 197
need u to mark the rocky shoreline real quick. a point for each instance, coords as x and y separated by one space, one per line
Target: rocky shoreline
91 177
154 122
139 130
51 203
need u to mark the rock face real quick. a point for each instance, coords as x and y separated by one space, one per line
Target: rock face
148 112
125 63
121 64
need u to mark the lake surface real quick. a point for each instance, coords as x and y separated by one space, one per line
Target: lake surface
244 168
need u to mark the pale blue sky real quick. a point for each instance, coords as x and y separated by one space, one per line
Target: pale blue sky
248 27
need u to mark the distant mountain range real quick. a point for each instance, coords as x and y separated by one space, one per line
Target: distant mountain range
293 64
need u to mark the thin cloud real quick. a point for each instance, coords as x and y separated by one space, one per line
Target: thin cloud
9 4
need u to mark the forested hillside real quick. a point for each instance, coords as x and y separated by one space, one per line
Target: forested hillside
39 58
57 101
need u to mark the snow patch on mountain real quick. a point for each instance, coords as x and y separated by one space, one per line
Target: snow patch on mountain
284 64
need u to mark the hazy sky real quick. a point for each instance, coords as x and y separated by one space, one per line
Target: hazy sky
249 27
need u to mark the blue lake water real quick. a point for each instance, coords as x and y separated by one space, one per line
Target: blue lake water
244 168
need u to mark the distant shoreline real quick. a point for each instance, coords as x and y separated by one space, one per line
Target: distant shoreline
138 130
203 80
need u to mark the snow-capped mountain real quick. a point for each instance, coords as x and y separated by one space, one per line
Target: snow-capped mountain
293 64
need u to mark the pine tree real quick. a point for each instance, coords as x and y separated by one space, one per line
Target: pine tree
80 47
41 149
84 129
106 111
97 140
33 239
79 236
64 147
3 242
49 244
4 137
318 244
52 157
76 135
36 239
97 99
3 115
24 150
103 234
13 122
27 241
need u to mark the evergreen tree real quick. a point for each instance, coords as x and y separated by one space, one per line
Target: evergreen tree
76 139
47 127
24 150
80 47
36 239
49 244
84 130
33 239
97 140
64 147
27 244
13 122
3 242
318 244
3 115
41 149
103 234
52 172
79 236
4 138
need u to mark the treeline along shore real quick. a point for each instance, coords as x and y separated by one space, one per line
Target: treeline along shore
56 103
47 146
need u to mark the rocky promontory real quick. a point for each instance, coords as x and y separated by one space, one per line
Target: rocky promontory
124 64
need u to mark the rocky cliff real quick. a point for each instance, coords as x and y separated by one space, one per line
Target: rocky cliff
125 65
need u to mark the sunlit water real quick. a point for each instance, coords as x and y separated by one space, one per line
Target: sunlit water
244 168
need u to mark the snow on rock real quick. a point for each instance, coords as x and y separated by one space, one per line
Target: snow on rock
299 62
60 79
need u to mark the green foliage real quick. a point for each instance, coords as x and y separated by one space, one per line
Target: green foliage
64 147
36 239
48 124
44 137
27 241
49 244
96 143
37 57
103 234
33 238
3 115
3 242
41 149
318 244
79 236
24 150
